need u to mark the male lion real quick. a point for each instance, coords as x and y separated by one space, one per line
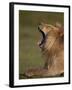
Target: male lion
52 48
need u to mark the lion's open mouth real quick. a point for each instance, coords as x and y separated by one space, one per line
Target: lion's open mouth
40 43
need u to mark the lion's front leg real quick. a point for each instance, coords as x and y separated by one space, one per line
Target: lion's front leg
38 72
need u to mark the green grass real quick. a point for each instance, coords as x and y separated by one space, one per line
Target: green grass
29 53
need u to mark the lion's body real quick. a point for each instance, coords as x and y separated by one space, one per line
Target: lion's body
52 49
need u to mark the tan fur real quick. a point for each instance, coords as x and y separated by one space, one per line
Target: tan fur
53 51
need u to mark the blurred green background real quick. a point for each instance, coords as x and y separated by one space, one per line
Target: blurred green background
29 53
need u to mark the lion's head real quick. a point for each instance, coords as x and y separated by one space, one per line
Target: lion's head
49 34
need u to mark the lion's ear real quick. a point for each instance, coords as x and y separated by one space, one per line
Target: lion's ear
60 29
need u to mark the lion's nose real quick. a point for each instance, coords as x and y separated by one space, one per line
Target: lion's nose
40 27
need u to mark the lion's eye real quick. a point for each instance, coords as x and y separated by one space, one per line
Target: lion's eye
49 28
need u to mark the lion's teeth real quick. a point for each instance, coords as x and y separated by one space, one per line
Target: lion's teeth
39 43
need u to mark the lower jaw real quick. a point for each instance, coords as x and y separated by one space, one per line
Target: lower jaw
41 47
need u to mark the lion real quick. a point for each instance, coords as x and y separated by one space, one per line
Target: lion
52 48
